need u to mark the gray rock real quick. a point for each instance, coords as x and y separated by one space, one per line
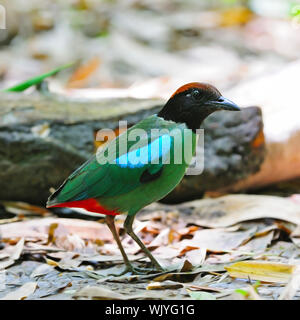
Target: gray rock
43 139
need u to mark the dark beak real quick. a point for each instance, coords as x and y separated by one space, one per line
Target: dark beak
224 104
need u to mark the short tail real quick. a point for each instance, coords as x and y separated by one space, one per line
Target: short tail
53 199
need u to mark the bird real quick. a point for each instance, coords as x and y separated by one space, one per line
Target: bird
128 174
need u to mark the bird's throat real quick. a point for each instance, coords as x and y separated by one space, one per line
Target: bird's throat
193 120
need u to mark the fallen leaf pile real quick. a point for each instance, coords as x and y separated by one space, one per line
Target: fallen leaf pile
233 247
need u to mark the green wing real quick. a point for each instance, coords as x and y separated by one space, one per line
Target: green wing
111 172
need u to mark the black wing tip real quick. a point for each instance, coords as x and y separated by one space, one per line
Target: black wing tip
52 200
51 203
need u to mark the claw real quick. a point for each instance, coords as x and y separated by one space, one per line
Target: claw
140 271
137 271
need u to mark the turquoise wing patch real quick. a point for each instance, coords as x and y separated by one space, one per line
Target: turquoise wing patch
156 152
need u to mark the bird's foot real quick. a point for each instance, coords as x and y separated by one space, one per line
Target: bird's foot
137 271
133 270
158 267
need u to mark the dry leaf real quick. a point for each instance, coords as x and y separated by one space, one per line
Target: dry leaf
203 288
218 240
22 293
196 257
235 16
292 287
162 239
166 252
71 242
69 262
4 255
188 230
232 209
41 270
33 247
187 266
51 262
257 244
187 249
164 285
199 295
38 229
103 293
12 253
6 263
295 236
81 75
52 228
22 208
17 250
261 270
5 221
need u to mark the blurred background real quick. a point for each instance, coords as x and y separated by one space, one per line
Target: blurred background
153 46
127 57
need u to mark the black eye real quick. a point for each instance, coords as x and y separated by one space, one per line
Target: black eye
196 94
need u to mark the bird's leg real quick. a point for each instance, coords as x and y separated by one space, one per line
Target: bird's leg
110 221
128 227
129 268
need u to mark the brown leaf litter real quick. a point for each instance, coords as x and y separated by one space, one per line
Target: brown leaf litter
211 249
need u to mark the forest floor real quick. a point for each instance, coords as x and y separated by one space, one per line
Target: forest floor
210 249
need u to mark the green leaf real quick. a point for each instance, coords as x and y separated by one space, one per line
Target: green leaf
201 295
242 292
256 285
294 9
36 80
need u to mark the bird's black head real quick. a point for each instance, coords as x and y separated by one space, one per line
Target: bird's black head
193 102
